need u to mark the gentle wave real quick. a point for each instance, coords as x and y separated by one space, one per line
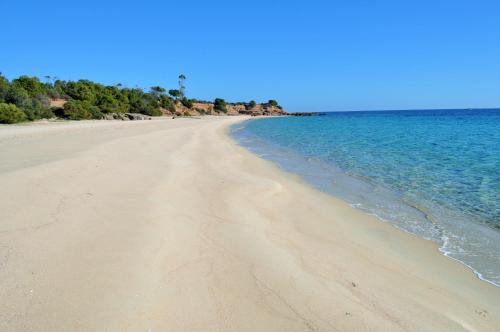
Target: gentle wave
418 183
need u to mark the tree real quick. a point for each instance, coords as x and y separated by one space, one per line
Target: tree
182 88
273 102
220 105
10 113
151 105
81 90
108 104
157 90
60 88
17 95
110 99
250 105
144 103
174 93
31 85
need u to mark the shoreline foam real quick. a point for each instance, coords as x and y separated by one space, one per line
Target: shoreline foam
282 157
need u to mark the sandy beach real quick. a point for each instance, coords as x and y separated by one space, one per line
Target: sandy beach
169 225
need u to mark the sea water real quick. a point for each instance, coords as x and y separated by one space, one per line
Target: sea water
434 173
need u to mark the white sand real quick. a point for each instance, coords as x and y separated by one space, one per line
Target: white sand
168 225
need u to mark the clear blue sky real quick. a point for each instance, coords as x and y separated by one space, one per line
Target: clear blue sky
309 55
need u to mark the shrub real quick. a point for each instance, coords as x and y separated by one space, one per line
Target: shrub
96 112
167 103
144 103
4 88
31 85
250 105
18 96
35 109
107 103
273 102
187 102
220 105
78 110
9 113
81 90
151 111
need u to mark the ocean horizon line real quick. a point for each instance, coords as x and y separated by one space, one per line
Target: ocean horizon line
409 110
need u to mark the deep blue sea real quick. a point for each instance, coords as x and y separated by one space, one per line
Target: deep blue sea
434 173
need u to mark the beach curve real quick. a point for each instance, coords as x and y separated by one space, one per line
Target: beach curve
170 225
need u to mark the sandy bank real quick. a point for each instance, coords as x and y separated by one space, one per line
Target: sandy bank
168 225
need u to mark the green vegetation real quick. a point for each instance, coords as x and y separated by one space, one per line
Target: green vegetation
9 113
273 102
182 87
250 105
187 102
28 94
84 99
27 98
157 90
220 105
174 93
81 110
167 103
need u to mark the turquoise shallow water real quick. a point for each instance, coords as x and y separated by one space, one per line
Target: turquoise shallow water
434 173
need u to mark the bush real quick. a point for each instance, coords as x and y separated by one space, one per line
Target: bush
4 88
187 102
273 102
96 112
144 103
18 96
167 103
250 105
35 109
107 103
79 110
151 111
9 113
220 105
31 85
81 90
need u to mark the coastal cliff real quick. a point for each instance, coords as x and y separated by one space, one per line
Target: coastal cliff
197 109
231 109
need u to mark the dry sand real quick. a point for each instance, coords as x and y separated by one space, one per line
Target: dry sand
168 225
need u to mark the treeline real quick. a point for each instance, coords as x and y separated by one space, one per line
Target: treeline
27 98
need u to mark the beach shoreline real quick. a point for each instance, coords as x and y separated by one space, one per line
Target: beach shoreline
170 224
